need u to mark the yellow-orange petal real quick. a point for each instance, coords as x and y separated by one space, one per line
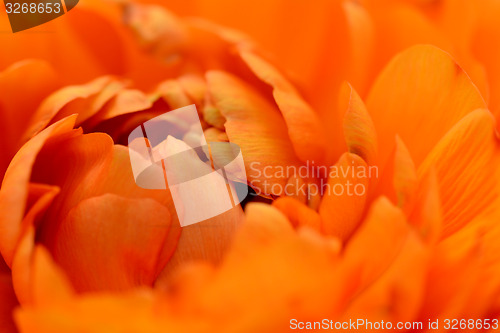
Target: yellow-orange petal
343 205
257 127
405 178
420 95
412 28
427 215
376 244
466 161
362 43
398 294
486 48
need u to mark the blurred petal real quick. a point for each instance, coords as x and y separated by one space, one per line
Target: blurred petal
362 35
399 292
76 165
23 86
376 244
98 46
299 214
405 176
427 215
412 28
258 231
49 283
14 192
486 48
304 127
8 302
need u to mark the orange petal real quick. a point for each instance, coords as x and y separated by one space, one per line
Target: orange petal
97 313
298 213
268 244
304 127
39 199
466 162
174 94
130 232
376 244
205 241
85 100
195 87
317 54
341 208
486 48
412 28
95 168
427 215
257 127
76 165
30 77
420 95
405 176
398 294
49 283
362 35
263 223
8 302
99 46
126 101
14 190
399 180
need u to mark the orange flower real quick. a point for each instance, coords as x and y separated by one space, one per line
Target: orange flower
85 249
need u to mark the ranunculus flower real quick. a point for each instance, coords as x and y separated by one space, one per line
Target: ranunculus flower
400 88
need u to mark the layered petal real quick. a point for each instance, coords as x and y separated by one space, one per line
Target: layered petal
304 127
112 243
420 95
256 126
465 162
343 205
20 95
14 192
8 300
